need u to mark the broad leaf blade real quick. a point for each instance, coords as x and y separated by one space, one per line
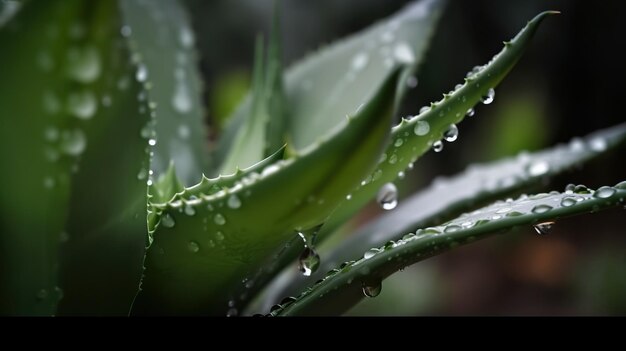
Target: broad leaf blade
163 45
203 247
341 289
333 82
447 198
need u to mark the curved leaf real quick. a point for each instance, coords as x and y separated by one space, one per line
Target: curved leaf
333 82
162 42
203 247
342 288
414 137
446 198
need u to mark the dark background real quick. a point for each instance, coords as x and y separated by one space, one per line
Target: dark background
569 83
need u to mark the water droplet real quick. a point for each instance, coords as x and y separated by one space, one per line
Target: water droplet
538 168
421 128
186 37
349 197
411 82
142 174
393 159
398 142
181 100
106 101
487 99
84 64
543 228
604 192
59 293
193 247
621 185
219 219
541 208
73 142
48 182
82 105
452 228
234 202
451 134
597 144
359 61
51 134
168 221
219 236
309 261
568 201
152 142
370 253
581 189
387 196
189 210
183 131
142 73
126 31
470 112
372 289
437 146
401 175
403 53
503 210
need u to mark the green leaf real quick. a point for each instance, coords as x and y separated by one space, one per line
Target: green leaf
162 42
202 247
414 137
72 138
333 82
447 198
342 288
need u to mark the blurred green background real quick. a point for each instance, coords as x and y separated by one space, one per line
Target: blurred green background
568 84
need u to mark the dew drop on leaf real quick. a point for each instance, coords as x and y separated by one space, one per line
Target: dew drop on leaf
421 128
370 253
541 208
142 73
568 201
219 219
189 210
604 192
538 168
543 228
73 142
387 196
598 144
193 247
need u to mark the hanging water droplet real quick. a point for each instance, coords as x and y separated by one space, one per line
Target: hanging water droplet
421 128
82 105
359 61
372 289
543 228
604 192
487 99
411 82
451 134
234 202
437 146
541 208
538 168
568 201
142 73
309 261
470 112
387 196
168 221
189 210
73 142
193 247
219 219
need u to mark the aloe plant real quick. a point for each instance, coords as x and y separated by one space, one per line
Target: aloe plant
118 206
